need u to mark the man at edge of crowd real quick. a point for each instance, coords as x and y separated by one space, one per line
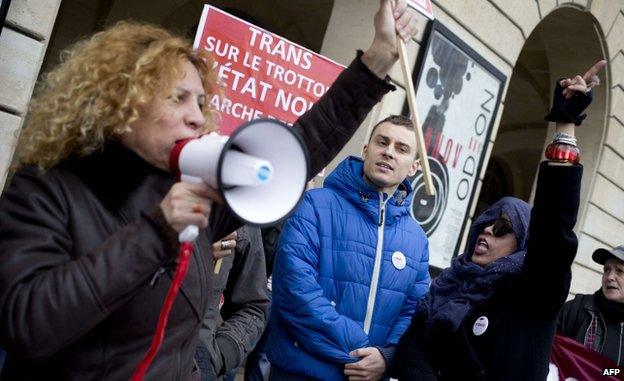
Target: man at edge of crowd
597 320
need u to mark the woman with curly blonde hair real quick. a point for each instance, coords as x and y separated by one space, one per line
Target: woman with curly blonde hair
96 94
89 221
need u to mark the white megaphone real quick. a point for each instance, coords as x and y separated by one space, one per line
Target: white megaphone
260 171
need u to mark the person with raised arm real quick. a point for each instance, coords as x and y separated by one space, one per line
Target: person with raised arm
492 314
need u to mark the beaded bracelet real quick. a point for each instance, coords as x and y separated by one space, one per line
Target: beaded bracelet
563 152
564 138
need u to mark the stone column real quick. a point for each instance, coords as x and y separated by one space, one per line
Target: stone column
23 41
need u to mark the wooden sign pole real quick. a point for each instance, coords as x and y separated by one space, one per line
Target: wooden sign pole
411 101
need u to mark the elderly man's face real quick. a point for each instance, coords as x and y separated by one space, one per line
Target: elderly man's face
613 280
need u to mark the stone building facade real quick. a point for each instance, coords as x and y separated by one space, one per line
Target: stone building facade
532 42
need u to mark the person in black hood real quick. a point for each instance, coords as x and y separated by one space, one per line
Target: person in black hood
500 230
597 320
492 314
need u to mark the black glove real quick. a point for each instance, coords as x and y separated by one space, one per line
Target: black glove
569 110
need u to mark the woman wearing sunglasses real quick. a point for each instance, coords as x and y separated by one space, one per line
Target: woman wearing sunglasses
492 314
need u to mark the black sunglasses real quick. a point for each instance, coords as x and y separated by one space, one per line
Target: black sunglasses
501 227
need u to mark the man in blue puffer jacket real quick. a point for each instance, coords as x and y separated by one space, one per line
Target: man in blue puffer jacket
351 265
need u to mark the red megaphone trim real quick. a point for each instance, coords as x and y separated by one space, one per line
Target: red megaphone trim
174 155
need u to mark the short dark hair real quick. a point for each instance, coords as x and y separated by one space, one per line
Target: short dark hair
398 120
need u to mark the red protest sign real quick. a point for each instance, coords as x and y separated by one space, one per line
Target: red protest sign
422 6
570 360
262 74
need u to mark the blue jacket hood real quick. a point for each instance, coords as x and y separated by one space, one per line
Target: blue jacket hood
348 181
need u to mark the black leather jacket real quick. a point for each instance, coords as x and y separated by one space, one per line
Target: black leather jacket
242 281
579 313
83 245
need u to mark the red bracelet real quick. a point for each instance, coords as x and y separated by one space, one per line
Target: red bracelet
563 153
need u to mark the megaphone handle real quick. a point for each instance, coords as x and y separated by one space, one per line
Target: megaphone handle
189 234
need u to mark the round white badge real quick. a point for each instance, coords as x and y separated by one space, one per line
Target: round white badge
480 326
398 260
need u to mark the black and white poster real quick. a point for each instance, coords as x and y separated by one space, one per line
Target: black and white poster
4 8
457 95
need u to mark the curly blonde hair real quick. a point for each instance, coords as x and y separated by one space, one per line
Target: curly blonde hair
96 92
